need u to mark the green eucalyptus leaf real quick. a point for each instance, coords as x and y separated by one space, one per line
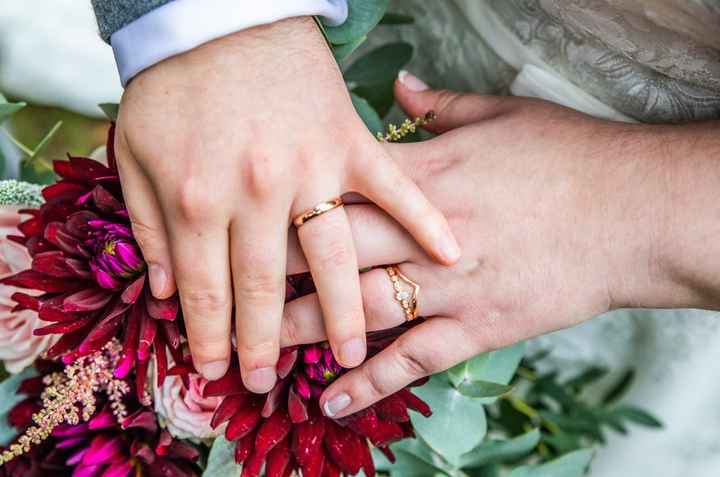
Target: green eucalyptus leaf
363 16
585 423
379 66
497 451
637 415
391 18
574 464
7 109
111 110
483 389
343 51
381 96
221 461
407 464
367 114
497 366
43 144
9 397
458 422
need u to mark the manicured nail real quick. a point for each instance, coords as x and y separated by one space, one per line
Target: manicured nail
449 248
214 370
412 82
352 352
158 279
261 380
336 404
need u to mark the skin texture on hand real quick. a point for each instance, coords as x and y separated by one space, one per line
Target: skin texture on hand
218 149
561 217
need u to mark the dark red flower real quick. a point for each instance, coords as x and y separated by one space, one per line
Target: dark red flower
100 446
92 272
286 431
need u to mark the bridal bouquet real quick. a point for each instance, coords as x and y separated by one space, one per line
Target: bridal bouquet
98 380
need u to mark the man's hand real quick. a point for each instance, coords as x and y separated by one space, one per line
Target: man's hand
218 149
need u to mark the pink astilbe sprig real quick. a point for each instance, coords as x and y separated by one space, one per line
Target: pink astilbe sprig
105 445
70 397
91 273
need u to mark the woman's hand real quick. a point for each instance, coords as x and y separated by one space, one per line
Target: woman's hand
558 216
218 149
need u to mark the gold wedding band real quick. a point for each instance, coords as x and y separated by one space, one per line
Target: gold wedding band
318 210
406 292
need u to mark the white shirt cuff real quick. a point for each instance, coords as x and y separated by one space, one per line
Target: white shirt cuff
181 25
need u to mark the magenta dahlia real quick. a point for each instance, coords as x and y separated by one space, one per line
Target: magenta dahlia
286 431
100 446
92 273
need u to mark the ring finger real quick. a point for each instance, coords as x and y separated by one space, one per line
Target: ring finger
327 242
302 320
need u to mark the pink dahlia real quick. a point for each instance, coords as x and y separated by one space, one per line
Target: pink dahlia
286 431
18 346
91 272
99 447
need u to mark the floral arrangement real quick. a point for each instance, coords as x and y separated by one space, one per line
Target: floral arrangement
98 381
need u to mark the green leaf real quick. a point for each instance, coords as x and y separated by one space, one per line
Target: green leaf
574 464
379 66
367 114
221 460
496 451
483 389
343 51
9 397
637 415
43 144
458 422
111 110
8 109
620 388
588 376
391 18
363 16
407 464
497 366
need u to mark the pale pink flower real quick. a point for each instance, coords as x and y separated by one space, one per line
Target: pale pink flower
185 412
18 346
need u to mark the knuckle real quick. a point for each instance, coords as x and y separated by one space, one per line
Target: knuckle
375 384
257 354
192 200
146 236
336 254
260 287
410 363
262 176
205 301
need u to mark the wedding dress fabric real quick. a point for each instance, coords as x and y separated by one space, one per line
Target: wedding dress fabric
642 61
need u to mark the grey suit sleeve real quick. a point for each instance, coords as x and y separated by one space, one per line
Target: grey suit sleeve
112 15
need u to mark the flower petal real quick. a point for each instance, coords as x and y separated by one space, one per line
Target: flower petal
244 421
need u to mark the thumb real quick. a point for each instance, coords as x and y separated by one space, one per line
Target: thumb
452 109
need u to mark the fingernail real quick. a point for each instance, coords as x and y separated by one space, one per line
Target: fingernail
352 352
158 279
412 82
449 248
214 370
336 404
261 380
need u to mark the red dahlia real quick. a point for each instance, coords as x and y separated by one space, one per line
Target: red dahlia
92 272
286 431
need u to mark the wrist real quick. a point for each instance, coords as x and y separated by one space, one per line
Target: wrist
661 226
